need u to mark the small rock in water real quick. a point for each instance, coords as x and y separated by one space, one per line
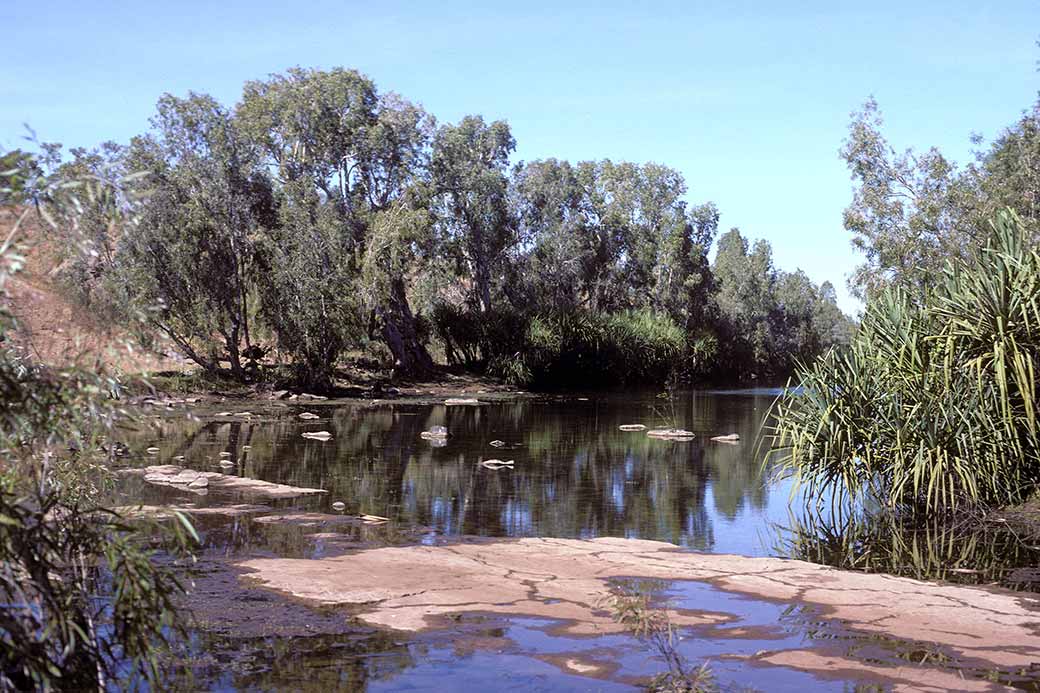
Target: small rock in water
497 464
374 519
223 413
671 434
307 416
632 427
152 451
318 435
225 453
497 443
339 506
435 432
226 463
178 458
732 439
247 447
304 395
198 482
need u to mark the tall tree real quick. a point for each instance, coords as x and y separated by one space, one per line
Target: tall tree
913 211
193 248
747 302
468 170
346 154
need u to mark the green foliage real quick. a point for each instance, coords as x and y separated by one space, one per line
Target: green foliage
468 171
83 606
770 320
912 211
934 406
16 168
578 348
193 250
475 339
321 214
309 294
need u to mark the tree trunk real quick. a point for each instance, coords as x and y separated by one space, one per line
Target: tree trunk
234 361
399 333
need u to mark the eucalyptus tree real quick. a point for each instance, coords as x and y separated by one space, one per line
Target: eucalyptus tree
747 301
549 204
341 154
609 236
398 235
683 282
192 251
468 169
1008 174
912 211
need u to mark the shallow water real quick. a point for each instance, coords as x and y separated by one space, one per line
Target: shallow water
574 474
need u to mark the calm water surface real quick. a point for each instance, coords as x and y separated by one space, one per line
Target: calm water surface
575 474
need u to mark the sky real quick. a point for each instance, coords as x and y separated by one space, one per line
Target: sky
750 101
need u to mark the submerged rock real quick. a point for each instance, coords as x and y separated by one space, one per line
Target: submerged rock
179 477
732 439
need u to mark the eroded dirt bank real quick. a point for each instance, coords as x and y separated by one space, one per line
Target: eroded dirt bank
417 588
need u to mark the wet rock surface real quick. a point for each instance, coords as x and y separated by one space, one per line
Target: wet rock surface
987 632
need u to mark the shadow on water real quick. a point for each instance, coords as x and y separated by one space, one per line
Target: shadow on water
575 474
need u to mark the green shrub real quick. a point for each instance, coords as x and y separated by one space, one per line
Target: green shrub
934 405
83 605
581 348
475 339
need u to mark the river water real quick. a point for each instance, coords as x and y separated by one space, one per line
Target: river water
574 474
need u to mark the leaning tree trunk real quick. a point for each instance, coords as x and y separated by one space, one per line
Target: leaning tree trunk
398 331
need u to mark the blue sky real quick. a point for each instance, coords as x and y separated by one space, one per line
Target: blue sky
749 100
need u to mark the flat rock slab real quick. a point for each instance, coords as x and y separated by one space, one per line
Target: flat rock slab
179 477
412 588
159 512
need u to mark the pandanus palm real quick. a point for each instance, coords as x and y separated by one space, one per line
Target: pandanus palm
934 405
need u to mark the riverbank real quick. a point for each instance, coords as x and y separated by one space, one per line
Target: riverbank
765 619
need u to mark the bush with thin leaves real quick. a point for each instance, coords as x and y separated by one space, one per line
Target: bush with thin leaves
934 405
83 603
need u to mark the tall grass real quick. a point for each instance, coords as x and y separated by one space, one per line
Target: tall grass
934 405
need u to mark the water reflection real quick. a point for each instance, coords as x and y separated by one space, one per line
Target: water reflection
575 475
